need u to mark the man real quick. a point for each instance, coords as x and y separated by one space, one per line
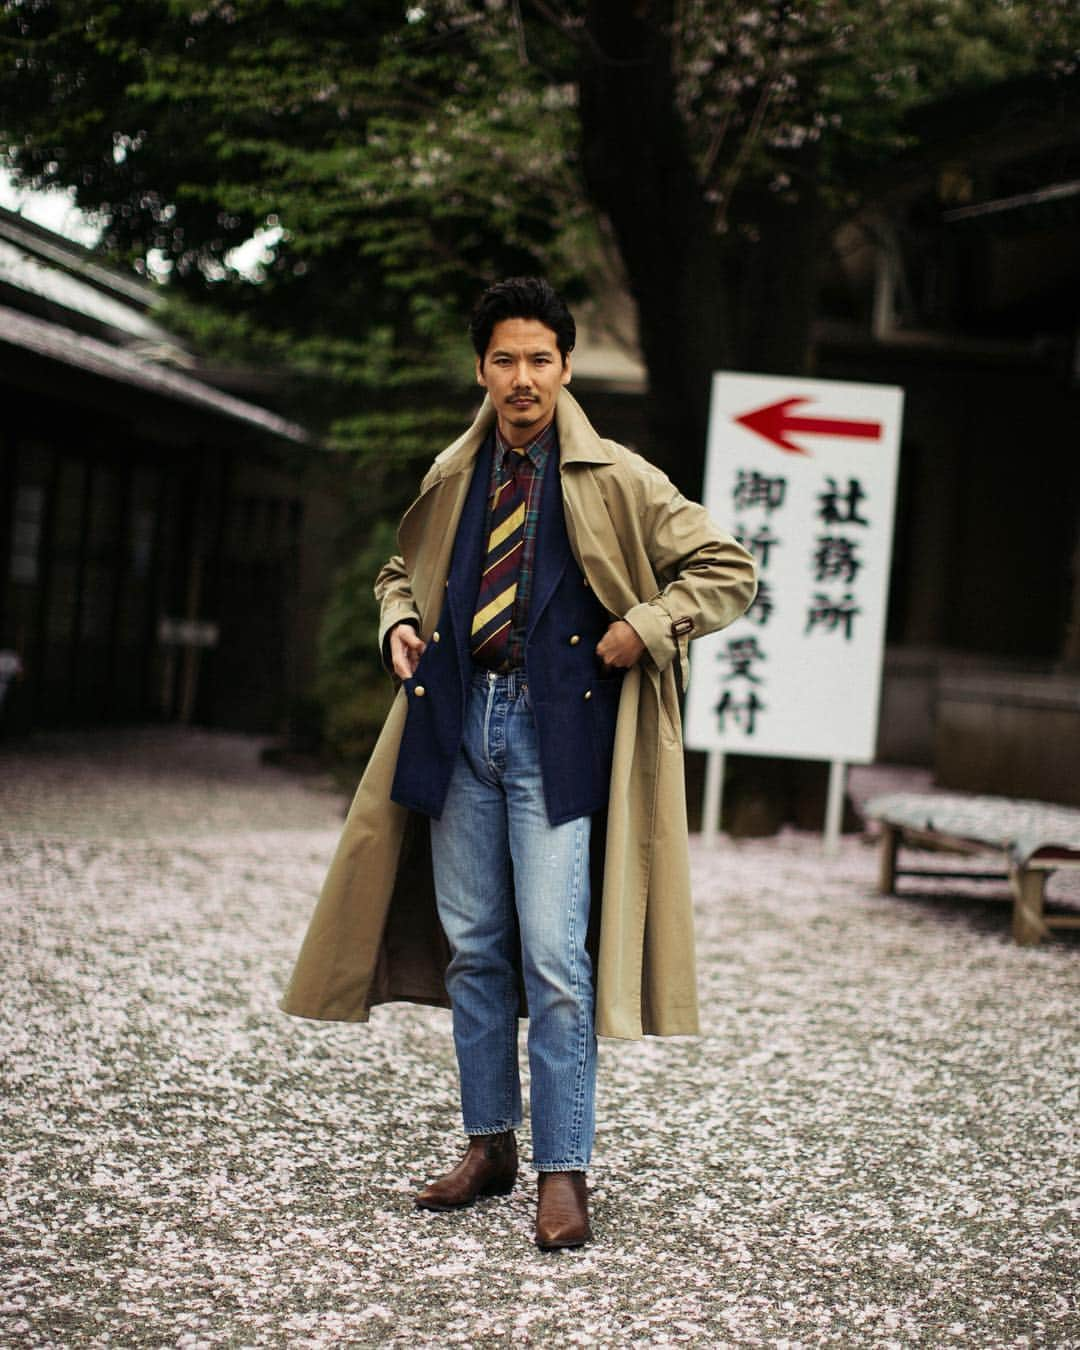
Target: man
538 620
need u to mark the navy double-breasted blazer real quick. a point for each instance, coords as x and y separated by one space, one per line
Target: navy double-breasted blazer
573 701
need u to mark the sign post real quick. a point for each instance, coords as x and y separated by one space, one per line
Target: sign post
806 472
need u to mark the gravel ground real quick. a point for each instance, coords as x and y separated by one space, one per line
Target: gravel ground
873 1143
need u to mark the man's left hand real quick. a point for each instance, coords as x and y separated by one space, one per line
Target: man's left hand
620 647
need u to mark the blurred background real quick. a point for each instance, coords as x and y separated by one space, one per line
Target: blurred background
239 243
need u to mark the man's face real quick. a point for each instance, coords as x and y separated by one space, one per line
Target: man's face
522 371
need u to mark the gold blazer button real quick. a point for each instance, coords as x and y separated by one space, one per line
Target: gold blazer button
419 691
588 693
435 636
575 640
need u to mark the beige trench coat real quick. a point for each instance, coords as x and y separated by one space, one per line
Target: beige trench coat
651 557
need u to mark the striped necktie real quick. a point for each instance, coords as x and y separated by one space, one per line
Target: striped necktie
502 562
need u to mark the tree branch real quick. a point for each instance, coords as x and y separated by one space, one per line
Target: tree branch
519 32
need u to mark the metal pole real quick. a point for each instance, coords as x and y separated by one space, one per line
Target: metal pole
714 796
834 807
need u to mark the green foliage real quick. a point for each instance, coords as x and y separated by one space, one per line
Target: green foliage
396 157
758 85
393 167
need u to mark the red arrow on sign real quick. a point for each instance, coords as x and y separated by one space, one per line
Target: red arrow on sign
776 424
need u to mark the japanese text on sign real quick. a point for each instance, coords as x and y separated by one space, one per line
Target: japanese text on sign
803 472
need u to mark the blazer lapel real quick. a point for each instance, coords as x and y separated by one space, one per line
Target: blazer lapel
552 547
468 551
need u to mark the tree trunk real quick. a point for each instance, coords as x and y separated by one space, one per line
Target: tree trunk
706 301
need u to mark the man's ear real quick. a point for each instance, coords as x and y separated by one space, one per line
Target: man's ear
480 373
566 372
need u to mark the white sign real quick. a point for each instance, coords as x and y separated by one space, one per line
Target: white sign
804 473
187 633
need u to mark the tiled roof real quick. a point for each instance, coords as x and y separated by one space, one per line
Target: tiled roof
58 343
110 332
21 271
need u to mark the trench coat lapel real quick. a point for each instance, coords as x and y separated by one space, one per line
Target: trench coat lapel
593 538
552 553
429 527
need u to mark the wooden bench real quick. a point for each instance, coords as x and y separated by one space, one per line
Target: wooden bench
1036 838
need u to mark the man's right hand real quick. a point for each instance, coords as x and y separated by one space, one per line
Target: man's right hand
406 649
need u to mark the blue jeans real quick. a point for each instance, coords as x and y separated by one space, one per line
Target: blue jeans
501 869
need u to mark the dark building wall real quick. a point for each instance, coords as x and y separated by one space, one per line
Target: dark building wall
110 524
266 587
83 571
989 502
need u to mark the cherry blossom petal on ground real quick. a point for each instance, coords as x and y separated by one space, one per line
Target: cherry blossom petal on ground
873 1142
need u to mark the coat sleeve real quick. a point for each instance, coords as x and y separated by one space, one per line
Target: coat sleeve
707 578
393 591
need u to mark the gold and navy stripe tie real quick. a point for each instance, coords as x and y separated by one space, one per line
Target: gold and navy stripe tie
502 563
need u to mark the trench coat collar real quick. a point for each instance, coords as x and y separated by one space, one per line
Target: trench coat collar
578 442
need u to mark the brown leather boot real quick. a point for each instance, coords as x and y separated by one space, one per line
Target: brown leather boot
562 1211
489 1167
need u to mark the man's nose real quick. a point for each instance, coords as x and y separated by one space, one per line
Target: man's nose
522 375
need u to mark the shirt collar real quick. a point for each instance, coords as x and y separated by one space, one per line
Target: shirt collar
537 450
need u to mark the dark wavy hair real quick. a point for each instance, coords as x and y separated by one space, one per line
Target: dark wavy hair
522 298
